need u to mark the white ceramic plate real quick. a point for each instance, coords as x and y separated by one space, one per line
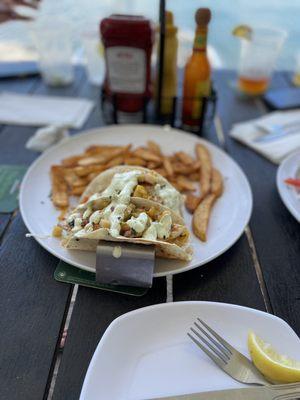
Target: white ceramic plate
289 168
229 217
146 353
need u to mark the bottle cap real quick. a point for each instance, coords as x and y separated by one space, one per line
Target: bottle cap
203 16
169 18
171 29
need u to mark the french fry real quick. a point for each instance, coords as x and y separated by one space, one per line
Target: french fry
184 158
133 160
72 161
77 191
204 157
153 164
194 176
161 171
176 185
192 202
168 167
201 217
72 179
102 158
146 155
59 187
62 214
115 161
216 183
93 160
96 149
84 171
154 147
183 169
185 183
173 159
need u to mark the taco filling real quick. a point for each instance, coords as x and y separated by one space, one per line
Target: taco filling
132 220
134 182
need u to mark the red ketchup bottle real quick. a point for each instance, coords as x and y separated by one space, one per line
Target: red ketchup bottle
128 42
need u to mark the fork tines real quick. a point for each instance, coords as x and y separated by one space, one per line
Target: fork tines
211 343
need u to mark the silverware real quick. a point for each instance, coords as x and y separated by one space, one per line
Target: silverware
278 131
275 392
224 355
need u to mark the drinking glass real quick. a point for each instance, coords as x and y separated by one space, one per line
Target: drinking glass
94 57
257 59
53 40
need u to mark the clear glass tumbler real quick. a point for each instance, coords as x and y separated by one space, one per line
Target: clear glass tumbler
54 45
257 59
94 56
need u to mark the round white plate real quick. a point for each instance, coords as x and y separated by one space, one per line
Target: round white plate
289 168
229 217
147 362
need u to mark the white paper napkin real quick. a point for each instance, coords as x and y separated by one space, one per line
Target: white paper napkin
47 137
35 110
275 150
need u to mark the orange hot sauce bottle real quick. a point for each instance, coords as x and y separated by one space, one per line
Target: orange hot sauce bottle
197 74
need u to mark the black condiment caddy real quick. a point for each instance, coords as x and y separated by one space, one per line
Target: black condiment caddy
150 112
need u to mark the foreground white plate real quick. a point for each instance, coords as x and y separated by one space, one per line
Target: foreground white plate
146 353
289 195
229 217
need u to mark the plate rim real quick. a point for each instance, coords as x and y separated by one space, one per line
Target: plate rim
92 131
280 187
146 309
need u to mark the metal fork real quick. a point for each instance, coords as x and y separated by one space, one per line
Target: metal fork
224 355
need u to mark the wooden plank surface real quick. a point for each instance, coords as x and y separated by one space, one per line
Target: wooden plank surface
275 231
32 309
231 278
33 304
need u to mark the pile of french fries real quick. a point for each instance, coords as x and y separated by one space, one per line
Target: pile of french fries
195 177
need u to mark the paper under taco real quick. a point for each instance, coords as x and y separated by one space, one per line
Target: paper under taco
137 221
135 182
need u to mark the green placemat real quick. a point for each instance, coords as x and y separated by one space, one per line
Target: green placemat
10 180
69 274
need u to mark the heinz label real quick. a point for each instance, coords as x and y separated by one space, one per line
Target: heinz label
126 69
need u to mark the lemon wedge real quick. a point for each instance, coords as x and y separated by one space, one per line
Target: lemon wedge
242 31
275 367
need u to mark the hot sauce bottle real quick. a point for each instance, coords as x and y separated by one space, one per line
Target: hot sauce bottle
127 41
197 74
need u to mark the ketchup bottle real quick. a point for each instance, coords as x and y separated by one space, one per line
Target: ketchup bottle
128 42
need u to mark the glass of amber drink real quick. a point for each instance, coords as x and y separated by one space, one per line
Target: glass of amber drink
258 56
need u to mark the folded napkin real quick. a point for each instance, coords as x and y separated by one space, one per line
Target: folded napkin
34 110
277 149
47 137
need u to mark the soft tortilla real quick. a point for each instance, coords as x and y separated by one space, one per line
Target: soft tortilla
90 240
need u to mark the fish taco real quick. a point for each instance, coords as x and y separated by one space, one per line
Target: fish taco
124 181
139 221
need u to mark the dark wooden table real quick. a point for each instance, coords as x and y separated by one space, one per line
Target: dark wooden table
261 270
